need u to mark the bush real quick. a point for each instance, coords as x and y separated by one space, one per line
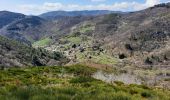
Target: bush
81 79
81 70
133 91
146 94
118 83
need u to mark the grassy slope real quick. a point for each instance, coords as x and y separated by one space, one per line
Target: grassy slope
87 28
65 83
75 40
100 59
42 43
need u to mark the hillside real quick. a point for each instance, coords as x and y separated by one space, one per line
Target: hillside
16 54
27 30
8 17
141 37
135 44
72 82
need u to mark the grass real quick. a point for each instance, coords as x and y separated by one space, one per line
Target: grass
75 40
87 28
81 70
100 59
71 39
42 43
47 83
104 59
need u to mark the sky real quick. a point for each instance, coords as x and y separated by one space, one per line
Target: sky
36 7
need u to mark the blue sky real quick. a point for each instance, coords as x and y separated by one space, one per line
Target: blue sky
36 7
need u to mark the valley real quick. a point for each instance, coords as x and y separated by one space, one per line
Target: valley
86 55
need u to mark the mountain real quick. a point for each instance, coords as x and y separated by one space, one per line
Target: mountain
135 44
145 36
140 37
27 29
60 14
8 17
17 54
30 29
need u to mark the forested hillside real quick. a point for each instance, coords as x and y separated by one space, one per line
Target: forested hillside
17 54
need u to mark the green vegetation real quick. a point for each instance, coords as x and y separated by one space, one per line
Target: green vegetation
42 43
100 59
75 40
96 56
68 83
104 59
71 39
14 53
87 28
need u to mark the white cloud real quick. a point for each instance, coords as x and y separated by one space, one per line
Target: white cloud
37 9
148 3
151 2
119 6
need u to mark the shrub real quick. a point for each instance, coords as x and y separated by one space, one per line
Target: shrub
80 70
146 94
81 79
133 91
118 83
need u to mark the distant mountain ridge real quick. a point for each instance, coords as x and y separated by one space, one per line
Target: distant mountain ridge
29 29
60 14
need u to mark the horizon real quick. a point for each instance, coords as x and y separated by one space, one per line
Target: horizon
42 6
61 11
